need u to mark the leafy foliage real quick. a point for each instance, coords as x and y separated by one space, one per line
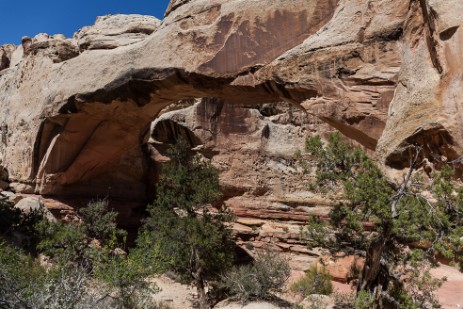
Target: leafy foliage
401 216
100 223
181 230
314 282
18 226
81 274
124 280
266 275
9 217
62 242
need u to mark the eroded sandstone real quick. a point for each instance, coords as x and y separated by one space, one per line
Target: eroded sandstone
76 113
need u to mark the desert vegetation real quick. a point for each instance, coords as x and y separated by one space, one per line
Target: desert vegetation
396 230
81 264
85 263
409 229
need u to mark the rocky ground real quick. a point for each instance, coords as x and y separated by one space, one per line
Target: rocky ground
179 296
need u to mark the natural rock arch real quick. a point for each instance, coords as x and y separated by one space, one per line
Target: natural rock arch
80 117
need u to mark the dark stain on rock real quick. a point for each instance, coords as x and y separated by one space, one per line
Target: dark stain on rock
4 61
393 35
224 27
265 38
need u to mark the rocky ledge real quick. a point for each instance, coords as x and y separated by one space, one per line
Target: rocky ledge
245 82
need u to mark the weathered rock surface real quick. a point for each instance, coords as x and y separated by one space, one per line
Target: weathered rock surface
81 119
112 31
31 204
426 109
253 148
74 121
76 113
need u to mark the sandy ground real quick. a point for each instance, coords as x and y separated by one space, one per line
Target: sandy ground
179 296
450 294
176 295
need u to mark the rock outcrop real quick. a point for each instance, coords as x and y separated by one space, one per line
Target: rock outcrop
112 31
253 147
76 113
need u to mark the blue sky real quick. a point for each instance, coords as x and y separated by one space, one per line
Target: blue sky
20 18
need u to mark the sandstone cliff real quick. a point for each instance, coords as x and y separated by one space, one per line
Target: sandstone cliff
77 113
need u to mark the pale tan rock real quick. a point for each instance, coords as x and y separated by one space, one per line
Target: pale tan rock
342 269
22 187
425 110
9 196
82 117
30 204
112 31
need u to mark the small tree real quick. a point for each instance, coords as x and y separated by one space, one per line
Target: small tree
266 275
180 228
401 217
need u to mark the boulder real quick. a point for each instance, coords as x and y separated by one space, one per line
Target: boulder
29 204
112 31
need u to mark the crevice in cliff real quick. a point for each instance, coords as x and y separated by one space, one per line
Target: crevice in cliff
48 130
429 16
437 148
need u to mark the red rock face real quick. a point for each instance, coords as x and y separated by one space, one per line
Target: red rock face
387 74
266 36
77 114
87 115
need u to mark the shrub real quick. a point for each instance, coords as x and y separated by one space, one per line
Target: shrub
124 281
18 273
364 300
62 242
100 223
9 217
72 241
314 282
266 275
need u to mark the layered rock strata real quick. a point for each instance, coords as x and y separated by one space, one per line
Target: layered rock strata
76 113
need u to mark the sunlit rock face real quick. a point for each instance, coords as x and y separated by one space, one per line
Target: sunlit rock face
76 113
254 149
76 127
112 31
